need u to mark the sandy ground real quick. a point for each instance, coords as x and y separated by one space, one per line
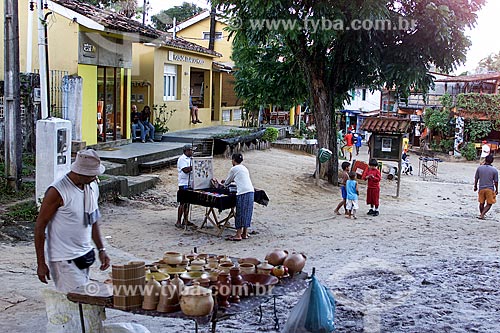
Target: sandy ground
426 264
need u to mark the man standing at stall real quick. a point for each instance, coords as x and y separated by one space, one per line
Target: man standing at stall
68 221
185 181
487 176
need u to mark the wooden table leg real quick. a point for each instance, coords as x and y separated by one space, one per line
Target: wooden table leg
82 321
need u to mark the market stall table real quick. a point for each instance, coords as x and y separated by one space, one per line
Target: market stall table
216 199
102 294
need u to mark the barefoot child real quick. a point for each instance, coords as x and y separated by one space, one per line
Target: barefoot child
345 176
373 192
352 195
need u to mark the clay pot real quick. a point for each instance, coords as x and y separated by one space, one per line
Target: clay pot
172 258
151 294
264 268
247 268
253 261
223 289
224 258
198 262
169 298
295 262
279 271
277 257
196 301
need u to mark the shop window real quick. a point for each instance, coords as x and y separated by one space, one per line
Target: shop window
170 81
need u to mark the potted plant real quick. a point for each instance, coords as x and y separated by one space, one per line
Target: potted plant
161 118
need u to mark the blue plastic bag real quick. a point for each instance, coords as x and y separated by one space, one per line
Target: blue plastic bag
315 311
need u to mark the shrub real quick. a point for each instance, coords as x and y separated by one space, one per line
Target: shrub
469 152
270 134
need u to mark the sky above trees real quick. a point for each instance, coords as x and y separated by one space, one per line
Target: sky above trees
484 36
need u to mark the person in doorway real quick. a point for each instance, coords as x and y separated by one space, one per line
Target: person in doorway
485 151
137 124
373 192
185 181
146 122
193 109
244 197
348 145
352 196
66 224
487 177
343 192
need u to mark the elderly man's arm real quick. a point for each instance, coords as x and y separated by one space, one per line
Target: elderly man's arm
96 237
51 203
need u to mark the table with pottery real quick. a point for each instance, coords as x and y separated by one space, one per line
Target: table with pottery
206 288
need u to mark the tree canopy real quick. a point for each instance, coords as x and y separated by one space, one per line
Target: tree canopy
340 45
164 19
491 63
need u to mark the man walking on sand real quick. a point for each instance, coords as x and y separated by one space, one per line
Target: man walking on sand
487 176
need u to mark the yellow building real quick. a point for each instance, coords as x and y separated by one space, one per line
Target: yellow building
94 44
197 30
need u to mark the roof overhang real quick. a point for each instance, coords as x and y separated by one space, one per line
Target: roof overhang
75 17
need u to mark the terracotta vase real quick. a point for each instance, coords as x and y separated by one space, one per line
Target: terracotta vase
276 257
223 289
176 281
295 262
151 294
169 298
236 285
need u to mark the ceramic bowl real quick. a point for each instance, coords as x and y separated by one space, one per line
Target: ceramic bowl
172 270
253 261
158 276
247 268
189 276
172 258
260 284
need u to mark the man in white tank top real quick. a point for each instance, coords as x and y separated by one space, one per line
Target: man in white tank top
67 223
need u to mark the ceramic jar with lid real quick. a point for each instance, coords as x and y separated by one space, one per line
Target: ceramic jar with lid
264 268
176 281
196 300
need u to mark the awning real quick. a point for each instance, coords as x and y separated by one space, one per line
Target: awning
385 125
370 113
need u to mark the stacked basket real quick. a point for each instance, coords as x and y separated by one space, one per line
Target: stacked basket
128 285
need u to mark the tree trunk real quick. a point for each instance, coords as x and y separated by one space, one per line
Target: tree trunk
324 117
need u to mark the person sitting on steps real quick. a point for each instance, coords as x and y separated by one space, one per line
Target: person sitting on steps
145 118
193 109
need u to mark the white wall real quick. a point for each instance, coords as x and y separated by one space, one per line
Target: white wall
370 103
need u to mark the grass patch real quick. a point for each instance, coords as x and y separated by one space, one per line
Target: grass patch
7 195
25 212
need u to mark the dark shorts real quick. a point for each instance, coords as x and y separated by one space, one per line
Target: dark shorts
183 187
372 196
343 191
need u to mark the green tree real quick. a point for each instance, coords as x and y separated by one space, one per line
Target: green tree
164 19
335 55
491 63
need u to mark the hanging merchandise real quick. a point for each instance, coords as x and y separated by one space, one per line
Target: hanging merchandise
315 311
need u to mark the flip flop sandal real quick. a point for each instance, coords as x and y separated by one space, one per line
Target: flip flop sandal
232 239
247 237
180 226
192 225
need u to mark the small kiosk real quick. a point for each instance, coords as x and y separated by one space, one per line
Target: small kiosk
386 141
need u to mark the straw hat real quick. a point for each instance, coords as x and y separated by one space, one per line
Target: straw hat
88 163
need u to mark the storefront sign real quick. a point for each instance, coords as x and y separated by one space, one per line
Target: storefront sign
414 117
172 56
89 50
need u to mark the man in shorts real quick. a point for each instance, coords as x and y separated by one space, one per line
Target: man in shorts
487 176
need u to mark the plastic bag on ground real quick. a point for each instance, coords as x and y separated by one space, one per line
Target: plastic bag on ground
315 311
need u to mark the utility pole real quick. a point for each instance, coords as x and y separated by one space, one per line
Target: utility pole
144 12
12 106
211 41
42 58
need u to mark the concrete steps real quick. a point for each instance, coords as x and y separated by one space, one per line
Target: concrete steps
158 164
126 186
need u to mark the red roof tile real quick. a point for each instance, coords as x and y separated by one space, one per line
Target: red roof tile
385 125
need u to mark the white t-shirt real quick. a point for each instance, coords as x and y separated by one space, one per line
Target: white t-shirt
485 150
68 236
240 175
184 178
